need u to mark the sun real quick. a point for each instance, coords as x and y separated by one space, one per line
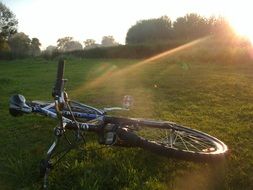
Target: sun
243 29
240 17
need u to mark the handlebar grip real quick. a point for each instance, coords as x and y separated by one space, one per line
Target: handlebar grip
58 87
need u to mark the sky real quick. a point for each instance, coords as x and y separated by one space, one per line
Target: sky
50 20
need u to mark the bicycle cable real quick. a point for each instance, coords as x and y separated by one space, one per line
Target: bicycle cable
75 121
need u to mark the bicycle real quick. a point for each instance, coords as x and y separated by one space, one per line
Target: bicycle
164 138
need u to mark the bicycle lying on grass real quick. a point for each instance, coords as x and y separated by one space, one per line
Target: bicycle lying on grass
161 137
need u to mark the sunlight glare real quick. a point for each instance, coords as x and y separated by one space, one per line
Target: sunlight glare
240 18
243 29
114 72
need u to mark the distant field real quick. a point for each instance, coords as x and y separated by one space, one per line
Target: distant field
206 86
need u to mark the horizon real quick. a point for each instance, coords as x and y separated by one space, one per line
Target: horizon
103 18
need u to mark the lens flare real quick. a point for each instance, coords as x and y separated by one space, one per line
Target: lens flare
116 73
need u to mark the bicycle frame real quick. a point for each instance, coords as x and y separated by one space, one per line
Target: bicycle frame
50 109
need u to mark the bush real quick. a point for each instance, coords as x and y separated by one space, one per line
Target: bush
8 55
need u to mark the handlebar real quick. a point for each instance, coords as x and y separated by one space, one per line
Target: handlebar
18 104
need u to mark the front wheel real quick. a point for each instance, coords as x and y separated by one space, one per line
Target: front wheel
171 140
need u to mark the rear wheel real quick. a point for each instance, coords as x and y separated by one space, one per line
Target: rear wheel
172 140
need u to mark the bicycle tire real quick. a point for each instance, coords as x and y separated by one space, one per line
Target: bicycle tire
182 143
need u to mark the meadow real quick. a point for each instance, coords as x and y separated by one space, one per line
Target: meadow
205 85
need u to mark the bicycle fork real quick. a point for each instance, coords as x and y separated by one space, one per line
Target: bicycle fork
46 164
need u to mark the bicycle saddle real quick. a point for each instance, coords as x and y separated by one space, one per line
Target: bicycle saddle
18 105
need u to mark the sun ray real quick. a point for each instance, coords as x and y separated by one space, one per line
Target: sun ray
165 54
118 73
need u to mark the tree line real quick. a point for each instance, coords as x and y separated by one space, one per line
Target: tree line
150 31
189 27
68 44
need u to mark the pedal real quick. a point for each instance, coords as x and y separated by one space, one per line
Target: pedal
108 135
110 138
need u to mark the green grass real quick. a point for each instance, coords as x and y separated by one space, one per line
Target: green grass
206 87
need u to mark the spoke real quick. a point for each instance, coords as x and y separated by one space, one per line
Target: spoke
164 140
174 139
199 142
183 142
193 146
202 142
167 137
171 139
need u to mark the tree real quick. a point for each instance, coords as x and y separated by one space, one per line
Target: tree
20 43
89 43
35 47
50 50
221 27
62 41
151 30
191 26
108 41
8 25
72 46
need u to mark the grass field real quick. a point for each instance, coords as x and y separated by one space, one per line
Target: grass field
204 86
